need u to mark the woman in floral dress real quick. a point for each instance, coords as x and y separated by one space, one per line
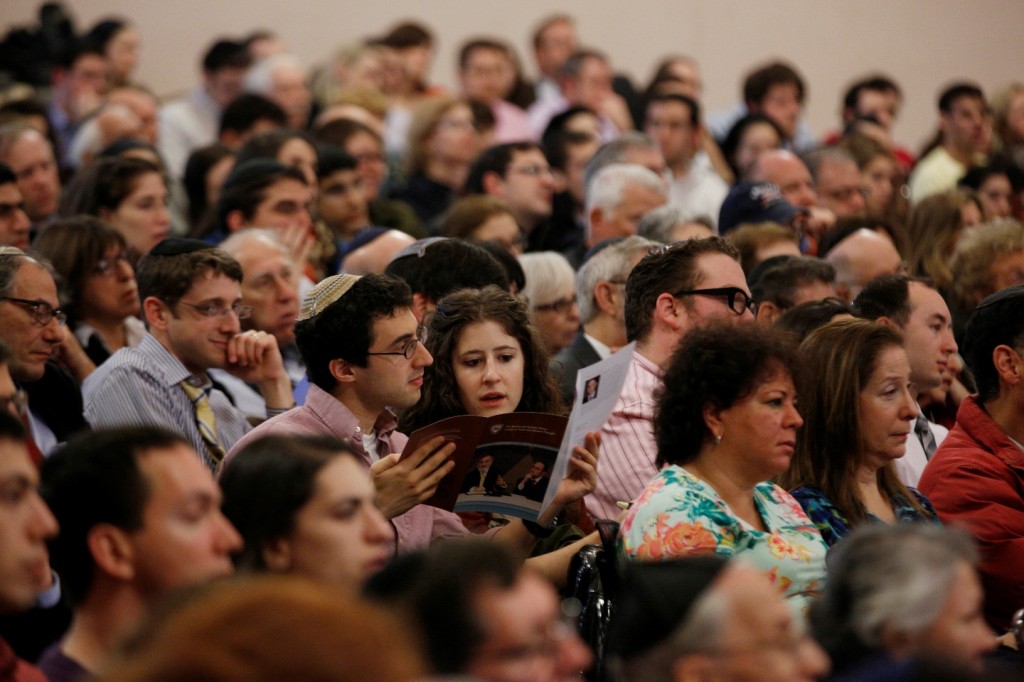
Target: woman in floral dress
726 423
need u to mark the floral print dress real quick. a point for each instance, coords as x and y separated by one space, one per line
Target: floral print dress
678 515
834 525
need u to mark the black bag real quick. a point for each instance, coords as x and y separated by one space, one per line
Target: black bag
593 582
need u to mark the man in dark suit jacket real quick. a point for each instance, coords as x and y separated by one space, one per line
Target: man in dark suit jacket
32 325
484 479
534 484
601 294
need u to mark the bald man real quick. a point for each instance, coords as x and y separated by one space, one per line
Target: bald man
861 257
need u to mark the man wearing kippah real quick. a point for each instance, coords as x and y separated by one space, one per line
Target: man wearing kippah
363 350
192 302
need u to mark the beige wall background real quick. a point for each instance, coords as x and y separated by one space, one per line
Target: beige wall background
923 44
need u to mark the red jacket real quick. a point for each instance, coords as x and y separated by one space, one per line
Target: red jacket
976 479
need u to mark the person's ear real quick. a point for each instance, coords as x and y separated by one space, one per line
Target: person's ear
714 420
1008 364
341 370
235 220
156 312
493 184
422 306
596 221
888 322
898 643
604 297
768 313
112 551
670 312
277 554
561 180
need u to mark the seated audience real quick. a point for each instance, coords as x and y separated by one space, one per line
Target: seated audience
15 226
601 298
747 139
551 295
284 493
858 416
861 257
262 628
782 282
903 592
726 423
128 193
936 226
483 218
917 312
972 478
205 172
97 284
139 516
30 156
803 319
478 613
670 292
986 260
668 225
443 143
26 525
762 242
191 297
996 185
686 619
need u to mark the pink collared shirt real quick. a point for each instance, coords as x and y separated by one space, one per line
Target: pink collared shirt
628 449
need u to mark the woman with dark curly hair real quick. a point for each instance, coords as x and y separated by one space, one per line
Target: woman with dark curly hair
859 415
726 423
489 360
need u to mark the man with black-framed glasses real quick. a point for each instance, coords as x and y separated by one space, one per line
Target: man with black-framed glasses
671 291
192 300
32 325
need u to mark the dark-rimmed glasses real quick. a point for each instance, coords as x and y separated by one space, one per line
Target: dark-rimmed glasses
409 347
41 311
738 300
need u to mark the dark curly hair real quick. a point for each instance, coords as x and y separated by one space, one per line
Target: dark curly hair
715 366
440 398
345 328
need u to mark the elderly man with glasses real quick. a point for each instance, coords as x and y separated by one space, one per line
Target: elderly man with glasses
671 291
32 326
192 299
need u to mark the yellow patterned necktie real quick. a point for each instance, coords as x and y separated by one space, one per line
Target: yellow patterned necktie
205 420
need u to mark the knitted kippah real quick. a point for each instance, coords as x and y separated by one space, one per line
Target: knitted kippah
325 293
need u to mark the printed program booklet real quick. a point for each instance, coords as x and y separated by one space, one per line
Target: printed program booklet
512 464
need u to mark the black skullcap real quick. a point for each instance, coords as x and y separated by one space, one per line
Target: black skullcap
655 599
176 246
1002 295
253 169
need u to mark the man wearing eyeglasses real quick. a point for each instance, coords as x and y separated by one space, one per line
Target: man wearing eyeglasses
32 325
191 296
670 291
517 173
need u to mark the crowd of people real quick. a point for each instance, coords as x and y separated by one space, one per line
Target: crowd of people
222 316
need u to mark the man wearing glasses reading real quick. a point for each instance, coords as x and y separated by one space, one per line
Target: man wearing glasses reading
32 325
670 291
191 296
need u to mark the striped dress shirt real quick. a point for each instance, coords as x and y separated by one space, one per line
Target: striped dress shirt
628 449
140 387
